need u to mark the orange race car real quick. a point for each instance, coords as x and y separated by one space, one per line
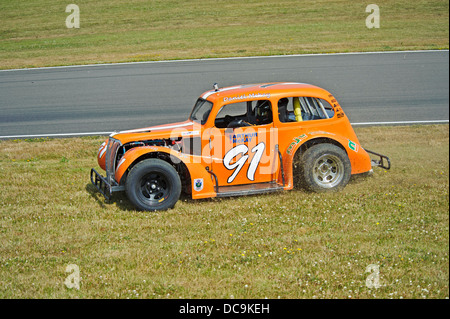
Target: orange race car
245 139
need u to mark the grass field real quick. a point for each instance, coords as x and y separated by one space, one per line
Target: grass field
289 245
34 34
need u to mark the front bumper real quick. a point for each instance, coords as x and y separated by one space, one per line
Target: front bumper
102 185
107 185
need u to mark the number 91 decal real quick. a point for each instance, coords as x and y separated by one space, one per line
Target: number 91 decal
237 166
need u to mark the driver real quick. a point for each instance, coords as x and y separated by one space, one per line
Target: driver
263 112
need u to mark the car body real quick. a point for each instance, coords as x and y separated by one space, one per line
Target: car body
244 139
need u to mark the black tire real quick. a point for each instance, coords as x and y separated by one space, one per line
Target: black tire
153 184
323 168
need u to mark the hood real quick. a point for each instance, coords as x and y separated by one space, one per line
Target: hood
172 130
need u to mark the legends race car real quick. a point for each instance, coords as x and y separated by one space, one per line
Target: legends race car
239 140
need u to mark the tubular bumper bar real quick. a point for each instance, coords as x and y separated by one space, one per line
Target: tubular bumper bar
103 186
383 161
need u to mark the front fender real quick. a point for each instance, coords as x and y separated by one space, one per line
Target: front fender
101 157
202 182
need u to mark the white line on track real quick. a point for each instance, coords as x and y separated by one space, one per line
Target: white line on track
55 135
403 122
220 59
108 133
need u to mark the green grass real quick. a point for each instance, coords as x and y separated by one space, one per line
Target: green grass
289 245
34 34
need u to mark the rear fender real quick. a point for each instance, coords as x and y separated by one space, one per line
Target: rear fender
202 182
359 159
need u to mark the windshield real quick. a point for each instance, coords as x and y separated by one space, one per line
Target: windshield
201 111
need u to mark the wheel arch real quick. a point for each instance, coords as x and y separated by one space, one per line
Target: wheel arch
136 156
314 141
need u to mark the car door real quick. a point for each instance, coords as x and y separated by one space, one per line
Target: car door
243 146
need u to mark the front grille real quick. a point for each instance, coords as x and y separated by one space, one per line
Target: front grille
110 159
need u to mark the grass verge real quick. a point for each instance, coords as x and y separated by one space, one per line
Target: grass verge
34 34
289 245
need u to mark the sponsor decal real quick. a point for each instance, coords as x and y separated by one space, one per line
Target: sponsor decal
247 96
242 138
295 142
353 146
198 184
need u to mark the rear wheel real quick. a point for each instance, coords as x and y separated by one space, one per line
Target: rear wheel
153 184
324 167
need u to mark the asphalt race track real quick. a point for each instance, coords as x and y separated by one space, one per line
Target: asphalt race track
371 87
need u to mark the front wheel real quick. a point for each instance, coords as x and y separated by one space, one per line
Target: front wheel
153 184
324 167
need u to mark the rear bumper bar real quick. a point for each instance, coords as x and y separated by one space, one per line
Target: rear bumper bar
103 186
383 161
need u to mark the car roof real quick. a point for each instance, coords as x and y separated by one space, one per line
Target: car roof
261 91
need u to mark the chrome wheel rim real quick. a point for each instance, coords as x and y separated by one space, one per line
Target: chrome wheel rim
328 171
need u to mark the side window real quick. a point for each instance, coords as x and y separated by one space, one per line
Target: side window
244 114
303 108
